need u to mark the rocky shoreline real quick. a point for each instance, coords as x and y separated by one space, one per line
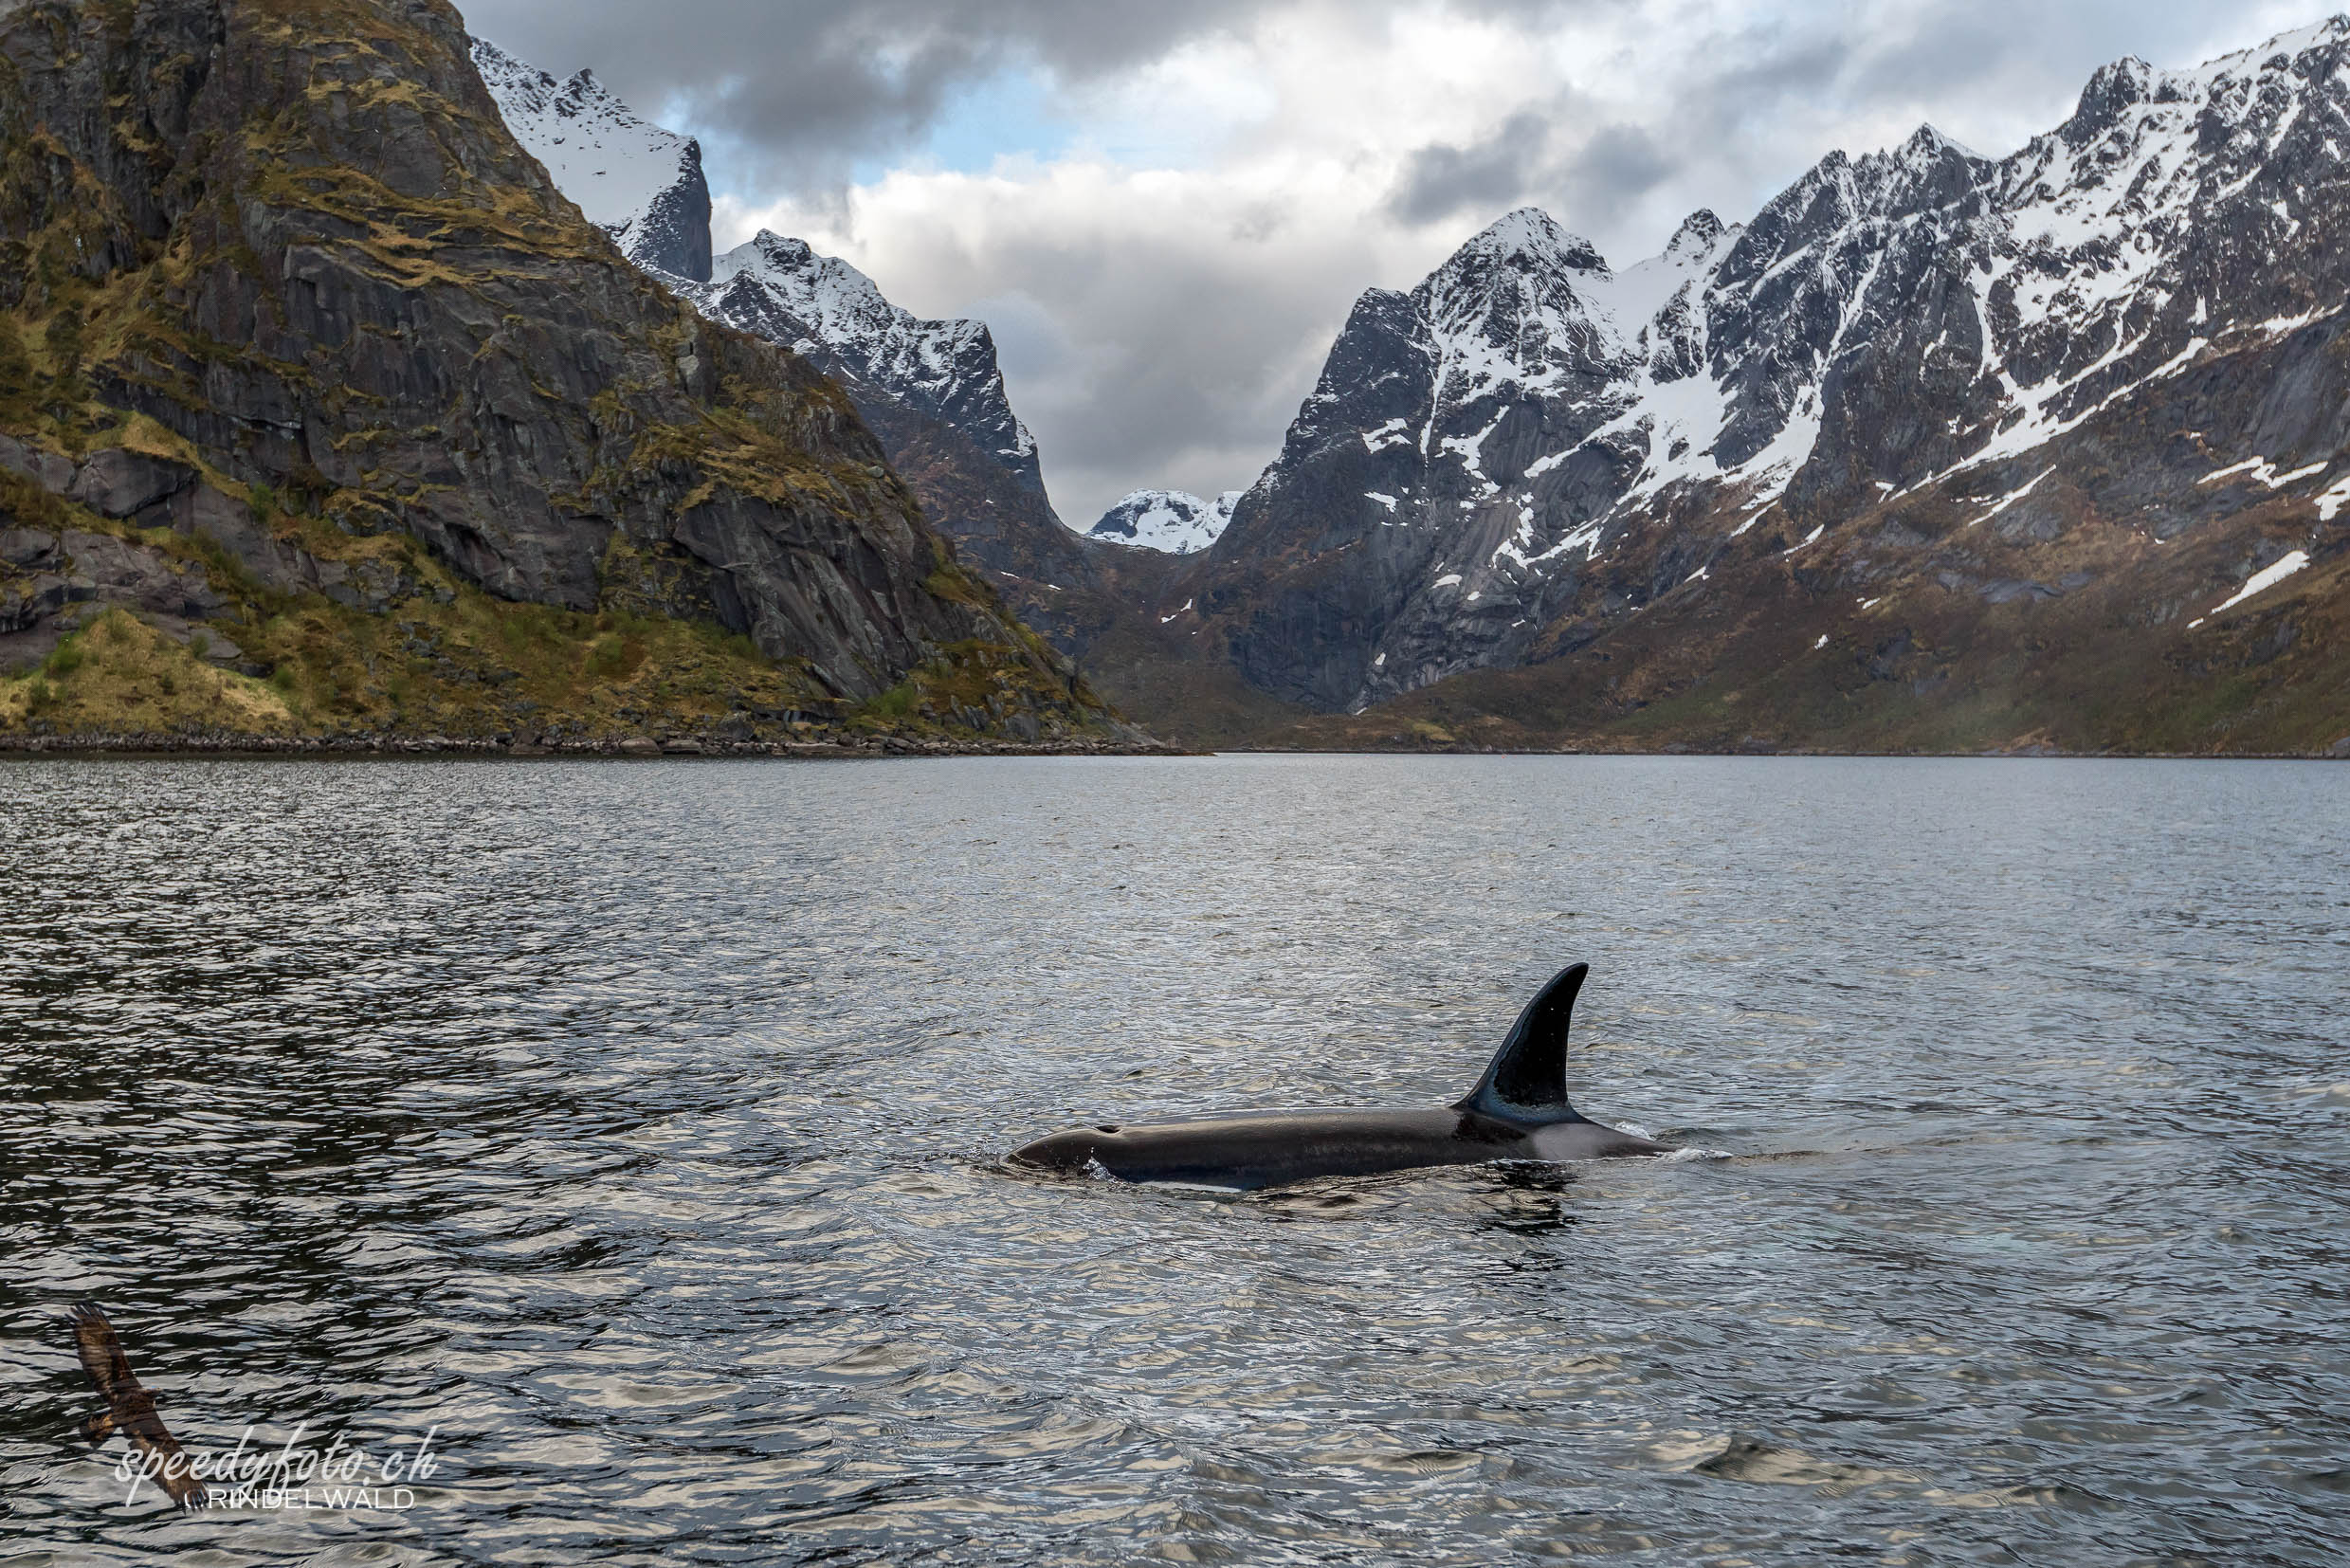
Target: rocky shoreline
633 746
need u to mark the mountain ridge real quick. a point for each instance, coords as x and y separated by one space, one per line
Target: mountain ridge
930 389
1530 451
1911 366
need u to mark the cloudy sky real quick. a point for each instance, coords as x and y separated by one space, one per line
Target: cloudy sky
1165 210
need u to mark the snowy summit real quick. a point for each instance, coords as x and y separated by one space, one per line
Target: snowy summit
1171 521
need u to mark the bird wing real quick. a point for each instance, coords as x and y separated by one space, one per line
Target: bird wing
101 1350
150 1436
131 1408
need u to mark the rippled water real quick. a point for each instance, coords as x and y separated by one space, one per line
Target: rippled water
637 1126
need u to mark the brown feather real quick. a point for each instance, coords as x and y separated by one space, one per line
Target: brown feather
101 1350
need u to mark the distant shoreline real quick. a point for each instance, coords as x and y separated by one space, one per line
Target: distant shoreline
643 748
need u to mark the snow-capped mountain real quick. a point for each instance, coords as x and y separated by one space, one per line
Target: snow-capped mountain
930 389
644 184
933 392
641 184
1531 446
1175 521
823 308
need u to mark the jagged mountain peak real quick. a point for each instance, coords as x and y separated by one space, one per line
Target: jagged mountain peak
1927 169
2231 82
931 391
848 313
1513 309
1696 235
1928 143
2128 79
2276 50
783 289
841 300
779 249
1532 237
934 393
847 297
2113 90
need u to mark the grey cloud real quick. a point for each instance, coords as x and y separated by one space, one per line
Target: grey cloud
1992 71
1587 185
1770 72
2041 49
1441 179
816 86
1163 367
1536 12
1617 167
1144 400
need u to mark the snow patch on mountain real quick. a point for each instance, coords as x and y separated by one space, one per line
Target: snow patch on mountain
1171 521
2260 582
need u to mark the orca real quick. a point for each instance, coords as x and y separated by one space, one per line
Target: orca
1518 1111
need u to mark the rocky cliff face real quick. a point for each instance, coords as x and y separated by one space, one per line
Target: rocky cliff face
1469 430
285 257
2107 370
932 394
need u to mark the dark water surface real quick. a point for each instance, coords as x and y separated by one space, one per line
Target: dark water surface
636 1126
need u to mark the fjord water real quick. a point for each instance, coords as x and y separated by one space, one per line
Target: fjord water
637 1125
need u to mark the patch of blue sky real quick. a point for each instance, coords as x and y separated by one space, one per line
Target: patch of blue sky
1021 116
1016 113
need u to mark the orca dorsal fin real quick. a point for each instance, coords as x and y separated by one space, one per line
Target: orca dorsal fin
1526 1081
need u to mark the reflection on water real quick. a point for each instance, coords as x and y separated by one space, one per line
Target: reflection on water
636 1126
